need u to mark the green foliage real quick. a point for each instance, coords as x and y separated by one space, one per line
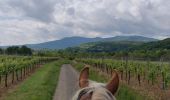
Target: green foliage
15 50
153 50
1 51
141 69
40 86
124 93
9 64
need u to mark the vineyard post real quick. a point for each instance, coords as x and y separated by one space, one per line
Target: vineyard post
6 79
16 72
163 74
102 63
24 71
163 80
21 73
144 73
152 76
111 71
28 69
138 74
0 78
148 66
122 69
126 66
13 77
129 76
139 79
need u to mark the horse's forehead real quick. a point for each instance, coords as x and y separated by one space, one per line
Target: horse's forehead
98 89
95 84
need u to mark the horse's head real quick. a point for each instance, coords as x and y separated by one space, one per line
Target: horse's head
96 91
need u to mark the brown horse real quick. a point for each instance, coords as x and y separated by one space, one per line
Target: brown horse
91 90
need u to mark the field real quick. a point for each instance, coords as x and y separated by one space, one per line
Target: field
149 78
36 78
15 68
84 50
40 86
124 91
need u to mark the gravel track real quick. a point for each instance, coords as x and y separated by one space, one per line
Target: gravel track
68 83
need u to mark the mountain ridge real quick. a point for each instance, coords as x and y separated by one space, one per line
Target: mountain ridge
122 46
76 41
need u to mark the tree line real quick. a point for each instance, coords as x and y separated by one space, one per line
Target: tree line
16 50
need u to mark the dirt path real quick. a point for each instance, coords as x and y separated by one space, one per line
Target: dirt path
68 83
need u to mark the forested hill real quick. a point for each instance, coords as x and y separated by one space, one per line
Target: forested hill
109 46
158 45
122 46
130 38
76 41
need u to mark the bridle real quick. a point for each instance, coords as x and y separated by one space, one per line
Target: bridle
85 91
90 91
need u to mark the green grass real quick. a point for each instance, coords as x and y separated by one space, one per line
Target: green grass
39 86
124 93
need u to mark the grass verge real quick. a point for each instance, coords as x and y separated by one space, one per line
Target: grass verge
124 93
39 86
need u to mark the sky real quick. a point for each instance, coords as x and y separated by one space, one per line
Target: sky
36 21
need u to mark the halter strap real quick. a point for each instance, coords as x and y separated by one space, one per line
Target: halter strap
85 91
89 90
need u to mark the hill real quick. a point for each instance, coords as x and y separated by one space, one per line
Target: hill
131 38
76 41
105 46
157 45
112 46
64 43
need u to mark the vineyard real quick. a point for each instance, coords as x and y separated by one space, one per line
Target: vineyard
16 68
152 77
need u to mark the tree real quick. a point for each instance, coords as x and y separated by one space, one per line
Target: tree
1 51
15 50
12 50
24 50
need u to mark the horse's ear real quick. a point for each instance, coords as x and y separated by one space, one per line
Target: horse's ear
84 78
113 84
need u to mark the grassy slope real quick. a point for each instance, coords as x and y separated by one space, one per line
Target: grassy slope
124 93
40 86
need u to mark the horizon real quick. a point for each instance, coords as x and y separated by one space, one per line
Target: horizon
80 37
39 21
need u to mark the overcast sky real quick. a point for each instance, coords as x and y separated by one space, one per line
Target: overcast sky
34 21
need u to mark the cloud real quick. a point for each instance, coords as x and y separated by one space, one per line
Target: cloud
38 9
34 21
